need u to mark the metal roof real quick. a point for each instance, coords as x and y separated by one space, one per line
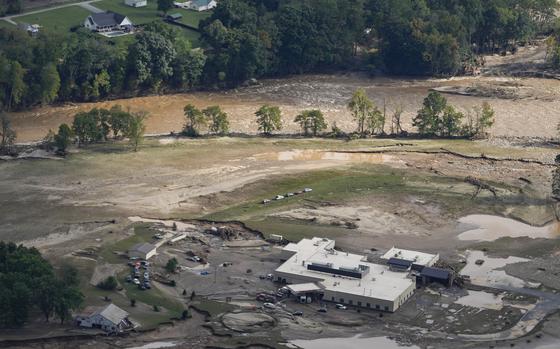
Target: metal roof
399 262
143 247
113 314
435 273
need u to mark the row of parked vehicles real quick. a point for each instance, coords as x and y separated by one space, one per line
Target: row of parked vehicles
287 195
140 274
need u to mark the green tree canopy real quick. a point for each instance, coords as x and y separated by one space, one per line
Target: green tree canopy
269 119
195 120
219 123
311 122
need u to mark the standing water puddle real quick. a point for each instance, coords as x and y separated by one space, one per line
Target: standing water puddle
356 342
487 274
481 299
490 228
317 155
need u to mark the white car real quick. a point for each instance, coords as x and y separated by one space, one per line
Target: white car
307 190
341 307
136 281
279 197
146 275
269 305
265 201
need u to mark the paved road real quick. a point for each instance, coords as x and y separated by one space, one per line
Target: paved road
85 4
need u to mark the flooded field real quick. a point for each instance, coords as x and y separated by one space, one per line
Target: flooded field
330 93
488 271
490 228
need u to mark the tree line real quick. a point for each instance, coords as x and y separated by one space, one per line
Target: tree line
246 39
436 118
28 283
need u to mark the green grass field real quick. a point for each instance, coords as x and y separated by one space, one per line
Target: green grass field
149 13
4 24
58 20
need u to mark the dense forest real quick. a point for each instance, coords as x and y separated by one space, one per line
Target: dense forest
245 39
29 283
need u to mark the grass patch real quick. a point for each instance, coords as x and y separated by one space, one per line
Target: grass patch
4 24
142 233
213 308
57 20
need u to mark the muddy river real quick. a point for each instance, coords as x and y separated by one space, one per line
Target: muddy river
533 113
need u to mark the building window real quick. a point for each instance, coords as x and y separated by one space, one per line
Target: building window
341 300
332 298
350 302
359 304
377 306
386 308
368 305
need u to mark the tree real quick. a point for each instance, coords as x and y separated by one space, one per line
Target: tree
7 133
375 121
171 265
362 109
63 138
193 295
450 122
16 83
556 179
311 122
195 120
485 119
269 119
151 59
219 123
67 299
50 83
85 127
164 5
136 128
396 126
119 120
428 120
109 284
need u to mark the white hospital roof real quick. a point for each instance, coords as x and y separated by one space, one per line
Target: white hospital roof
419 258
379 282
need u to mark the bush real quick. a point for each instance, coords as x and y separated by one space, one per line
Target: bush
156 308
133 302
171 265
109 284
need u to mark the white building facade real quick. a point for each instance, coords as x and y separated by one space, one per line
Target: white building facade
344 277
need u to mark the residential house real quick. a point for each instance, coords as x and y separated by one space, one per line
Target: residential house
110 319
136 3
108 22
201 5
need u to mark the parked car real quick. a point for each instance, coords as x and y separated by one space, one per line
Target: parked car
341 307
129 278
136 281
297 313
265 201
269 305
146 275
147 285
307 190
289 194
269 276
322 310
279 197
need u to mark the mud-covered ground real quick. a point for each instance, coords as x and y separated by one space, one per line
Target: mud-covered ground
525 107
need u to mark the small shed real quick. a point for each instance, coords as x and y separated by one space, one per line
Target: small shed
136 3
174 16
142 250
442 276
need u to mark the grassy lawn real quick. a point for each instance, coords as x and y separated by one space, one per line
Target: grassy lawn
149 13
4 24
142 233
58 20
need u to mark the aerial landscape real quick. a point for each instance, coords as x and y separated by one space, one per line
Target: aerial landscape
280 174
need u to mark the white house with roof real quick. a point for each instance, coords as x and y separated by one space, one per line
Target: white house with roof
111 319
341 277
198 5
136 3
108 22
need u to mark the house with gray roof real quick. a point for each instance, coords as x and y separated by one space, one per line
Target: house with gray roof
110 319
108 22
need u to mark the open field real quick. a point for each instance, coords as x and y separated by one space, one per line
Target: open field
369 194
57 20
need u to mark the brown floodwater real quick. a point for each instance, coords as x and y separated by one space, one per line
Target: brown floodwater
534 116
